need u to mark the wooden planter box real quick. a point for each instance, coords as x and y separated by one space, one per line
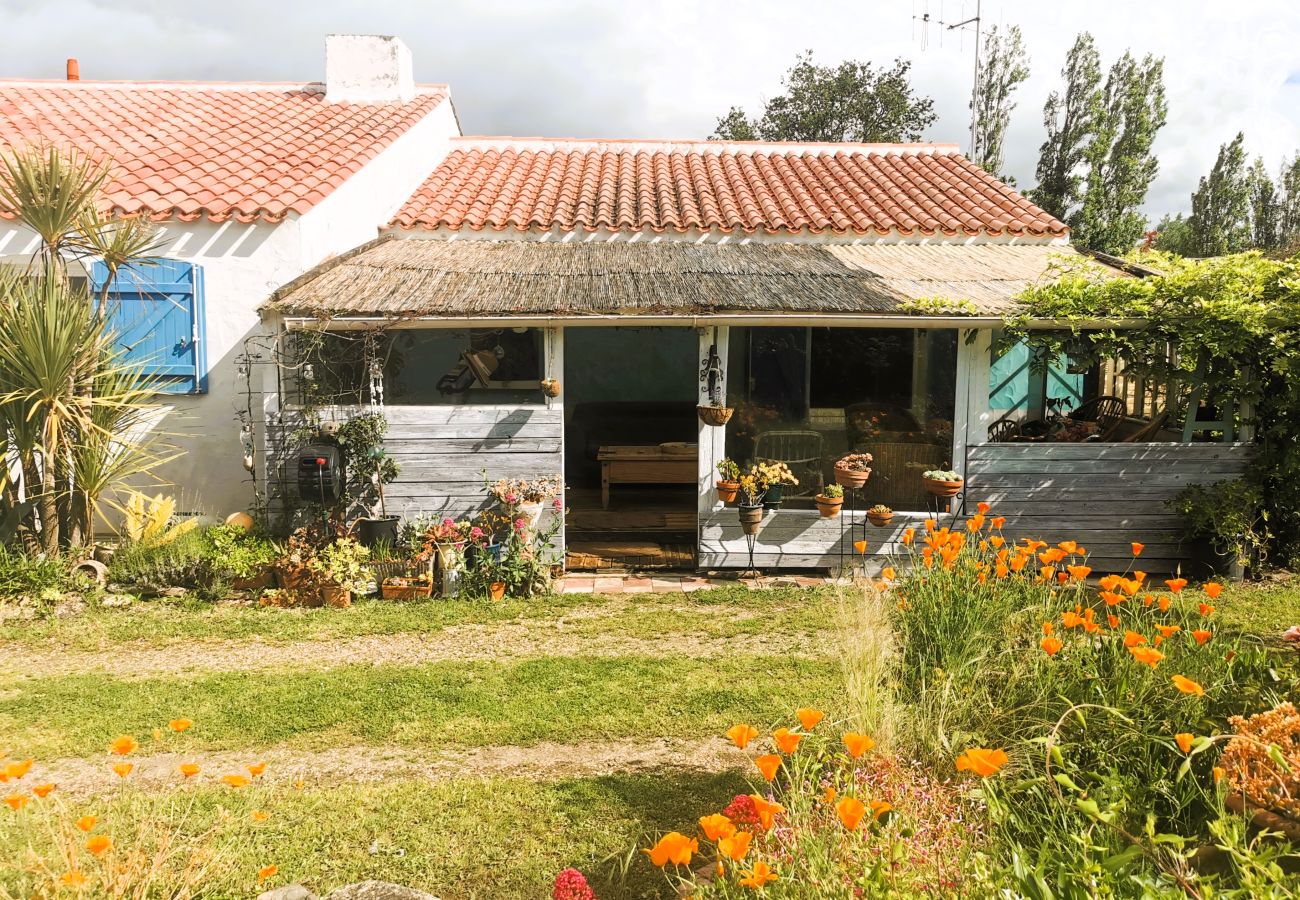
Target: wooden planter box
406 591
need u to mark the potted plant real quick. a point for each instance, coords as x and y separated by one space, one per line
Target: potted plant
293 571
244 558
830 500
407 587
525 498
942 482
341 570
550 387
880 515
749 504
1225 524
772 476
853 470
715 414
361 439
728 484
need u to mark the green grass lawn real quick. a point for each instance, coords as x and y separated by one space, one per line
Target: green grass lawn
1264 609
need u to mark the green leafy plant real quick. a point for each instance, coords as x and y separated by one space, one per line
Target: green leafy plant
238 553
343 564
833 491
368 467
728 469
183 561
1229 514
881 509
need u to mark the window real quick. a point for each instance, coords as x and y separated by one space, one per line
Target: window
807 396
426 366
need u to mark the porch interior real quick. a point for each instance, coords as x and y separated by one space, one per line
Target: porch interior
630 448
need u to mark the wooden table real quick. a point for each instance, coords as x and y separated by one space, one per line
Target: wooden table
639 464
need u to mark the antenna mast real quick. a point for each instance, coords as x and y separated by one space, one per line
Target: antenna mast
924 21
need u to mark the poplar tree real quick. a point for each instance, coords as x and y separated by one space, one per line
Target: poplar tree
1220 219
1005 67
1265 208
1070 118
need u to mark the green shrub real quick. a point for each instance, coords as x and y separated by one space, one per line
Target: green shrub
40 577
184 561
235 552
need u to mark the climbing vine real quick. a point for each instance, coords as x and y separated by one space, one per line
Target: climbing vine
1234 325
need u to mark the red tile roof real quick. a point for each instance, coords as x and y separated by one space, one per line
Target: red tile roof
189 151
772 188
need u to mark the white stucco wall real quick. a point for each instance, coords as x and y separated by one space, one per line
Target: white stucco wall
242 265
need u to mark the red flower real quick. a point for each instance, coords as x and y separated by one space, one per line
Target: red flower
742 811
571 885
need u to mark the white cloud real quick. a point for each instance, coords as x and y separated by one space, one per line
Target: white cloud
669 68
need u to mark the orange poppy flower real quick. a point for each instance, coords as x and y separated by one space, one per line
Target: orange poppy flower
1213 590
1068 546
983 508
1184 741
1139 576
1176 584
1109 582
768 764
981 761
44 790
235 781
1137 548
1051 556
1018 563
259 815
809 717
1202 636
267 872
1111 598
1062 578
857 744
997 541
1112 621
256 769
1148 656
734 847
17 801
975 523
1002 571
758 876
997 522
829 795
888 573
1133 639
860 547
1164 604
850 810
1148 600
73 878
189 770
1218 772
717 826
85 823
930 525
123 745
766 810
16 770
99 844
1206 610
879 808
673 847
1187 686
786 740
908 534
179 725
1130 586
1047 628
1071 619
1157 640
1051 646
1168 630
742 734
123 769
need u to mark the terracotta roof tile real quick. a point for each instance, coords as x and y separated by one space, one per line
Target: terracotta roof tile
774 188
215 151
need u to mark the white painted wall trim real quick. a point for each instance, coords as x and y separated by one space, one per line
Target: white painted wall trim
712 439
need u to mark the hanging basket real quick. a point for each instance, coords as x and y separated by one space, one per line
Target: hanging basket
853 479
716 416
550 387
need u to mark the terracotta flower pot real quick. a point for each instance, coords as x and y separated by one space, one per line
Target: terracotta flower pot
829 507
727 490
751 518
851 478
715 415
880 520
497 590
335 596
942 488
259 580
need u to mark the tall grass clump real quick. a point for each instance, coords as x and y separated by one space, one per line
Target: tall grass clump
868 660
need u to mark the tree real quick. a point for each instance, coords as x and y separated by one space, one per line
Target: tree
1174 235
849 102
1005 67
1069 119
1265 208
1289 213
1220 219
1121 166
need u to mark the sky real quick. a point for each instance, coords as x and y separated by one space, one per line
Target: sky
670 68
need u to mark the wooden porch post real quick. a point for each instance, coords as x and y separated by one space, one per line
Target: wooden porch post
553 367
971 414
712 440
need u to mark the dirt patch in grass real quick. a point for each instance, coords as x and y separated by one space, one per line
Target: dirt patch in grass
457 643
547 761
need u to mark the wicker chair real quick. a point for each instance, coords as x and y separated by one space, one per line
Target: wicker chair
803 451
1144 434
1107 412
1004 430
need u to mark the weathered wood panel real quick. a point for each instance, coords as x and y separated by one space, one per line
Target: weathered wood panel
796 538
446 454
1102 495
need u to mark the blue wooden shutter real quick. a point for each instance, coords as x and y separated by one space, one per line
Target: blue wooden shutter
156 313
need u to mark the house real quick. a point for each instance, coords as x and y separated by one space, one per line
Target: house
525 307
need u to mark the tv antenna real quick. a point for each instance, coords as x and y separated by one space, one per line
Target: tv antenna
924 20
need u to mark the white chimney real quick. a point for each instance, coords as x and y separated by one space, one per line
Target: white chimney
367 68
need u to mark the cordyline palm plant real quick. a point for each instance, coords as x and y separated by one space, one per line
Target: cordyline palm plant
74 413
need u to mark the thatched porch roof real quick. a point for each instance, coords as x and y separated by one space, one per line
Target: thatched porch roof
396 279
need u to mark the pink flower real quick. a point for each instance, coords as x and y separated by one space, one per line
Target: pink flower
511 498
520 524
449 522
571 885
476 533
557 503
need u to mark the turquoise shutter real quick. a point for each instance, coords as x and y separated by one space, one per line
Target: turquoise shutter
156 313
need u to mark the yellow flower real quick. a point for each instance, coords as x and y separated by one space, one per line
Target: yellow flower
73 878
257 769
981 761
86 823
123 769
809 717
258 815
235 781
16 770
17 801
179 725
44 790
1184 740
189 770
99 844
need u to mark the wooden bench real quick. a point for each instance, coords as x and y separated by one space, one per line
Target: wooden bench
639 464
